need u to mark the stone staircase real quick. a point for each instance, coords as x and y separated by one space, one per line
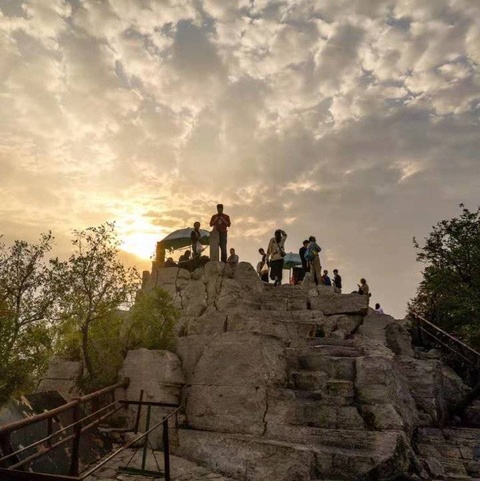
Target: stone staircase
451 454
313 428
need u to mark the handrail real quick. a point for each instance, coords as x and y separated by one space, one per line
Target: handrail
9 428
458 341
56 433
130 443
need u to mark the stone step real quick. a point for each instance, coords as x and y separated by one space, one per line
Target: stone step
329 341
326 437
336 387
309 380
258 459
336 367
454 467
322 398
333 350
286 407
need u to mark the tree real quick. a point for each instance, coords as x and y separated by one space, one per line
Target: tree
151 321
449 293
94 285
27 300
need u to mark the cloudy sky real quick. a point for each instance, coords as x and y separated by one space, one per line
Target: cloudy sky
353 120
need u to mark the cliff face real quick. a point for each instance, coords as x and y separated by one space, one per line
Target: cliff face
298 382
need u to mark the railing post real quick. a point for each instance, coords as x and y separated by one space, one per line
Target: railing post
49 431
166 450
77 430
145 445
139 411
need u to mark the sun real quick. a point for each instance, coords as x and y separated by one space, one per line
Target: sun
140 244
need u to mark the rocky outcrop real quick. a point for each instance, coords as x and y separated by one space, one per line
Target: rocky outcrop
298 382
62 376
160 376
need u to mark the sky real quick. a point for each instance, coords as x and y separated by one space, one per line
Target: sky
356 121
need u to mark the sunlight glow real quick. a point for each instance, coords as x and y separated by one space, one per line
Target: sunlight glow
140 244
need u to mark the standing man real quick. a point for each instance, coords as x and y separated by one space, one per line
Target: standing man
221 222
195 236
337 281
305 264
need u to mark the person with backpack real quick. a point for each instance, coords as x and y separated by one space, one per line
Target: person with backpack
313 257
276 253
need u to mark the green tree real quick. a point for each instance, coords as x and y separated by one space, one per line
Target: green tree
94 284
449 293
151 321
27 298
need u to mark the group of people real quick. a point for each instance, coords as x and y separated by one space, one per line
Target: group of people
271 265
219 222
272 262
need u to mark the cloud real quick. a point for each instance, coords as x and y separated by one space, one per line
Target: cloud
353 121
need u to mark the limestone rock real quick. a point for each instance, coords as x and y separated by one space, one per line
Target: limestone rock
158 373
331 303
399 339
62 376
425 384
227 391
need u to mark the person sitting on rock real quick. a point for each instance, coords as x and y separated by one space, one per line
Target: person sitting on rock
326 279
170 262
185 257
232 258
378 309
363 287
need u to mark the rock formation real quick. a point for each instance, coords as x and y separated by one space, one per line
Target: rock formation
301 383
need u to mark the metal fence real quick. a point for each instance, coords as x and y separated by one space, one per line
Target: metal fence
14 464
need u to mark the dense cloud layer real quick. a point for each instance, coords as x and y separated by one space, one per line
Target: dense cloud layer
356 121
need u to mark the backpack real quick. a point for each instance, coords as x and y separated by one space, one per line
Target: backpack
309 255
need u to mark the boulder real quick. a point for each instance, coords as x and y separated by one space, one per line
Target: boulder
425 381
399 339
62 376
227 390
331 303
159 374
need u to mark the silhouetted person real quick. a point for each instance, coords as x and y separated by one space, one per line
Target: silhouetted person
363 287
232 258
378 309
337 281
276 252
185 257
312 254
170 263
326 279
305 263
221 222
195 240
262 267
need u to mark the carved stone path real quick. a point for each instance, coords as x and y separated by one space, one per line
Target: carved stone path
180 469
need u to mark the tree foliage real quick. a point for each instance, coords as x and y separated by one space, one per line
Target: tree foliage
151 321
94 283
27 298
76 308
449 293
